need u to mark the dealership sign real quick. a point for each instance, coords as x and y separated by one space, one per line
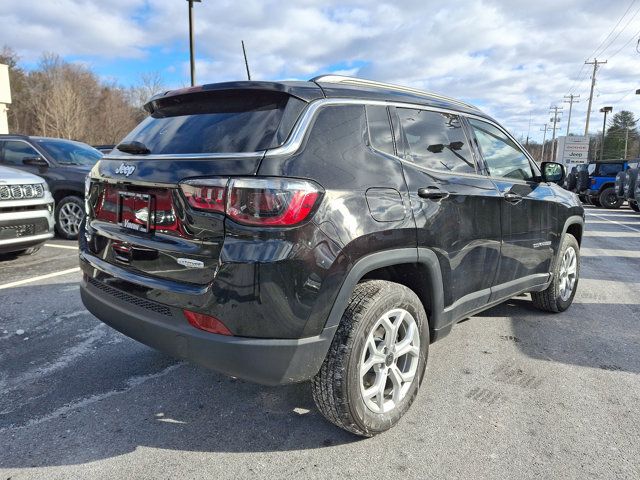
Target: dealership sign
572 150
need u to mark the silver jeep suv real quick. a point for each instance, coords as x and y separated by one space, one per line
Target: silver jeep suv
26 212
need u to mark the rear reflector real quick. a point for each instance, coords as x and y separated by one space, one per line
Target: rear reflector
278 202
206 322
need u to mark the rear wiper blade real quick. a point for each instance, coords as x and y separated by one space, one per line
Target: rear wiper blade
135 148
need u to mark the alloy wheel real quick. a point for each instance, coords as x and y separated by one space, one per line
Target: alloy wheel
70 217
389 362
568 273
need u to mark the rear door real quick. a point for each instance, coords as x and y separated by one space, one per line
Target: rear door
528 210
456 208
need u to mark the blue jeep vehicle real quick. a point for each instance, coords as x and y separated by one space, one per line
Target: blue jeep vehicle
597 184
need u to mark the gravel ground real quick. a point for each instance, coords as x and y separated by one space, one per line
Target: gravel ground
511 393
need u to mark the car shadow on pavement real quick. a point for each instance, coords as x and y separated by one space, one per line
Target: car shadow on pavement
180 407
596 335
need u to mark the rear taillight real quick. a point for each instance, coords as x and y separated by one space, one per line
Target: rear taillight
206 322
207 194
593 181
255 201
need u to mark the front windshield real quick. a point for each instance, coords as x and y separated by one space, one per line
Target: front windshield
67 152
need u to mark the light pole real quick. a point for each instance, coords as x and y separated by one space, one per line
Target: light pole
604 110
191 49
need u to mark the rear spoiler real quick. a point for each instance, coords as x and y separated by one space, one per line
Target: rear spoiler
305 91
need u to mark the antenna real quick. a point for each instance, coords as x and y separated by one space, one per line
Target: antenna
246 62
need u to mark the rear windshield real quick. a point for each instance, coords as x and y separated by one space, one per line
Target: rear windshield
218 122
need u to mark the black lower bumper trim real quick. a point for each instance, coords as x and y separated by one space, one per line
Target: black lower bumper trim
264 361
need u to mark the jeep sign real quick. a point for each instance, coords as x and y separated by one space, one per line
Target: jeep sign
572 150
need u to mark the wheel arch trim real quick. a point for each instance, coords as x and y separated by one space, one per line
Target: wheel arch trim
389 258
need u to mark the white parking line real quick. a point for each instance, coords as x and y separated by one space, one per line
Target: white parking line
39 277
626 222
613 221
70 247
612 234
605 252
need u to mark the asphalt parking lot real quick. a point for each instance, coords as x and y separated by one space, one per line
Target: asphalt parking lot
511 393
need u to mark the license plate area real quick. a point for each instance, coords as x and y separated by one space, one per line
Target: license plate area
135 211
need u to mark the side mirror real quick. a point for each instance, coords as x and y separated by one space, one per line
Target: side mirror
35 162
553 172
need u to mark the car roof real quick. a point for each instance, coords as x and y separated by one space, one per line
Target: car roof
334 86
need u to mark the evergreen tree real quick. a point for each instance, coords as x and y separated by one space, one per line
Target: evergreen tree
622 128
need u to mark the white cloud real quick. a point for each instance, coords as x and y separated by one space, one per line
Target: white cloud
511 58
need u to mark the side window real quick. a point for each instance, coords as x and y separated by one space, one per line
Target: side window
610 169
380 129
15 152
435 140
503 156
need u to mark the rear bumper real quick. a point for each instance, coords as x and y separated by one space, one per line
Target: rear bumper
264 361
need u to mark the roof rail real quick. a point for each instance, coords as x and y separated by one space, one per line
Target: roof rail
390 86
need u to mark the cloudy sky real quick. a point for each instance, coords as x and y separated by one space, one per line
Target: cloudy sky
512 58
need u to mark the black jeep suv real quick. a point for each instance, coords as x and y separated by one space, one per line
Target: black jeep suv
327 230
64 164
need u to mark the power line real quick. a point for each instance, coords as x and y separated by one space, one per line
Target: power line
635 35
577 78
613 29
619 33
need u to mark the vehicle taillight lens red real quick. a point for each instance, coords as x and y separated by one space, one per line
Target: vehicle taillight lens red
206 194
206 322
593 181
256 201
275 202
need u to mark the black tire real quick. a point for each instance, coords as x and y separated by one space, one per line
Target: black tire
66 226
30 250
609 199
630 184
621 177
595 201
337 386
634 206
551 300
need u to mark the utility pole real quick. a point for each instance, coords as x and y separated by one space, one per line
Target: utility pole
626 141
544 139
528 132
191 45
595 64
246 62
571 101
555 121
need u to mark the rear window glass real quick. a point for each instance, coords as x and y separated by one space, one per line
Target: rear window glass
218 122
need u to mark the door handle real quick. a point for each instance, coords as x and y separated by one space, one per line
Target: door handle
512 197
432 193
